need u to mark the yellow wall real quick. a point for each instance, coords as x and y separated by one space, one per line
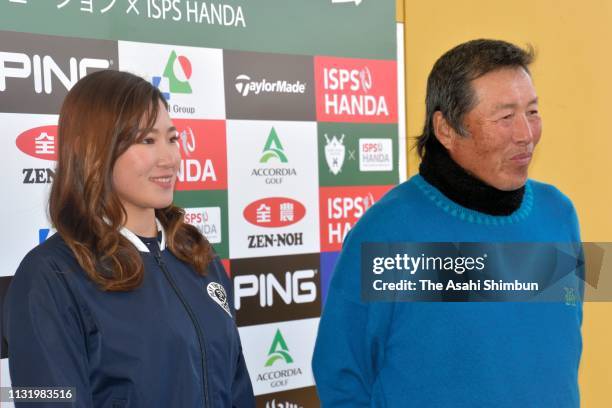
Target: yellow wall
573 77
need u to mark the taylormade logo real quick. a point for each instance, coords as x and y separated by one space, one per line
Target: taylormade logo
244 86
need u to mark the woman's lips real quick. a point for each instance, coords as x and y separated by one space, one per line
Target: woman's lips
163 181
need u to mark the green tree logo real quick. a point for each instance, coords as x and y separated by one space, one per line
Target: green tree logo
278 350
273 149
178 71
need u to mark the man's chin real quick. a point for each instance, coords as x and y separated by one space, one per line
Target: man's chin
512 183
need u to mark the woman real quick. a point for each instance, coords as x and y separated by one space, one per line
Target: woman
126 303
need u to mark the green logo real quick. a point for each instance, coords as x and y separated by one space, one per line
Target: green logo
178 71
273 149
570 296
278 350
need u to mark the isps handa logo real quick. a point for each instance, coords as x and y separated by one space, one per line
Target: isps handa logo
41 143
279 356
193 168
203 155
356 90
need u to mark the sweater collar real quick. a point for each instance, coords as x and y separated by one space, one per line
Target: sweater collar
442 172
133 238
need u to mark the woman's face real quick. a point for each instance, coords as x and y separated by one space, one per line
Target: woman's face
144 175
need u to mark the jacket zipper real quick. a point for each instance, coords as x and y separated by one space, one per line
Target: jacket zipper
199 332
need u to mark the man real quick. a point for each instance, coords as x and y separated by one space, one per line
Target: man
482 125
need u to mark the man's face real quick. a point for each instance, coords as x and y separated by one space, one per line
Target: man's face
503 129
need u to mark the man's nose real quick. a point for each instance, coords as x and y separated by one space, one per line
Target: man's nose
524 131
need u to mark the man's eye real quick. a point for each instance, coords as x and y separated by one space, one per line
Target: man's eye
533 112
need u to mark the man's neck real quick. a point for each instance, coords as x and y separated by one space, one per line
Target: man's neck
439 170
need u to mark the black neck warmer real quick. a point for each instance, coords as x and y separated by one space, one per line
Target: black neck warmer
439 170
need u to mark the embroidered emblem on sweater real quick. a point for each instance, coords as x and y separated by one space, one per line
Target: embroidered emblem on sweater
570 296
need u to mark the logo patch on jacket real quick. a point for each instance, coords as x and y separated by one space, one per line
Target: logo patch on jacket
217 293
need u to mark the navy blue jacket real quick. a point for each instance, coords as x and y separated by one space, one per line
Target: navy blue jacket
172 342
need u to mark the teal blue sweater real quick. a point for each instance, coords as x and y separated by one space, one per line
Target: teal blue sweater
449 354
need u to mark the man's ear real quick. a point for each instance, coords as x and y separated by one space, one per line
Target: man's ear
443 130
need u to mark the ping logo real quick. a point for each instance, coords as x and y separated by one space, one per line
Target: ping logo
42 69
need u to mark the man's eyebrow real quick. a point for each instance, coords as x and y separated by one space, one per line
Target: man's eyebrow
502 106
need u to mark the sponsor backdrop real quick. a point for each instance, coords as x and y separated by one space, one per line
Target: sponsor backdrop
288 119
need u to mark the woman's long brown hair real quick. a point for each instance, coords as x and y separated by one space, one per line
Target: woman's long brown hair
100 118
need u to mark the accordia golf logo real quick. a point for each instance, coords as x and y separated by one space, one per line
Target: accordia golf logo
334 153
245 86
275 161
273 149
279 352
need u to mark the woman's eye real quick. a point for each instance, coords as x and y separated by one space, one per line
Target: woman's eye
148 140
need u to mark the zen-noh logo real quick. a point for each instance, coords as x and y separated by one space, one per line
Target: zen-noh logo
39 142
356 90
274 212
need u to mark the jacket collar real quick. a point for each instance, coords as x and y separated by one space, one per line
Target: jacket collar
133 238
